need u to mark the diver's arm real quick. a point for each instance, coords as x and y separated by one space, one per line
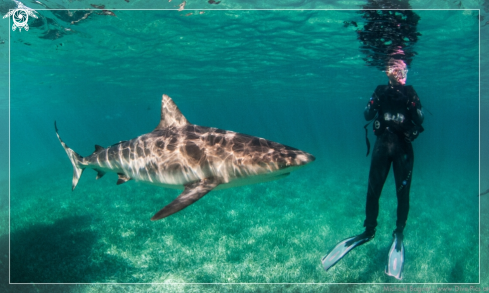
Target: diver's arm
416 110
372 107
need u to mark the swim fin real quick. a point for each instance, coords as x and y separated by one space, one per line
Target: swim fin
395 262
345 246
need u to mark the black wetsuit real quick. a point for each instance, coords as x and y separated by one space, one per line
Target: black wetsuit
397 124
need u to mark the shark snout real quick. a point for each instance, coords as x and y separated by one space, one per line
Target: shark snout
304 159
309 158
295 159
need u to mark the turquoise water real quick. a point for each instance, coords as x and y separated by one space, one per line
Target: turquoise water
295 77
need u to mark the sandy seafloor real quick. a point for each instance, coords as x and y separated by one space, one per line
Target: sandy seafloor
273 232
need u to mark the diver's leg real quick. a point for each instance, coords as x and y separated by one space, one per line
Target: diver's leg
403 171
379 168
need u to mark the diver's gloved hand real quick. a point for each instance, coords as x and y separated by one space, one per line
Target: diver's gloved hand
372 107
374 102
415 110
413 133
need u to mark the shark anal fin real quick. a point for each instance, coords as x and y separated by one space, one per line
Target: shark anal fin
122 178
192 193
170 114
99 174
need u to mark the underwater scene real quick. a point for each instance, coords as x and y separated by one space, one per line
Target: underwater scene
300 78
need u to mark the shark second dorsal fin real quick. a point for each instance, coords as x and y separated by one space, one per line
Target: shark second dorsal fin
98 148
170 114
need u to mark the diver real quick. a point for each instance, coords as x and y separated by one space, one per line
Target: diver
397 113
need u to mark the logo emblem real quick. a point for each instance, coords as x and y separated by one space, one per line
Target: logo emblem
20 16
377 124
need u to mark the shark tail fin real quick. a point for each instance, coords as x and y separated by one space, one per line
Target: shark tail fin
75 160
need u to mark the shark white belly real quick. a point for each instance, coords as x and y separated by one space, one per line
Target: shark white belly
194 158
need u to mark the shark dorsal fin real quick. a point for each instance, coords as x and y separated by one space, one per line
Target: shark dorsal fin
170 114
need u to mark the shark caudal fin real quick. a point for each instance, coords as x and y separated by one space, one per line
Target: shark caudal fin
74 158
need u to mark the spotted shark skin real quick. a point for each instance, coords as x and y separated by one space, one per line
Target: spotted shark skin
197 159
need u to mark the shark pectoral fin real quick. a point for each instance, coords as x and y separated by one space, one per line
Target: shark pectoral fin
122 178
192 193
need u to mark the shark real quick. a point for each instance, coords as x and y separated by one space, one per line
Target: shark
189 157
